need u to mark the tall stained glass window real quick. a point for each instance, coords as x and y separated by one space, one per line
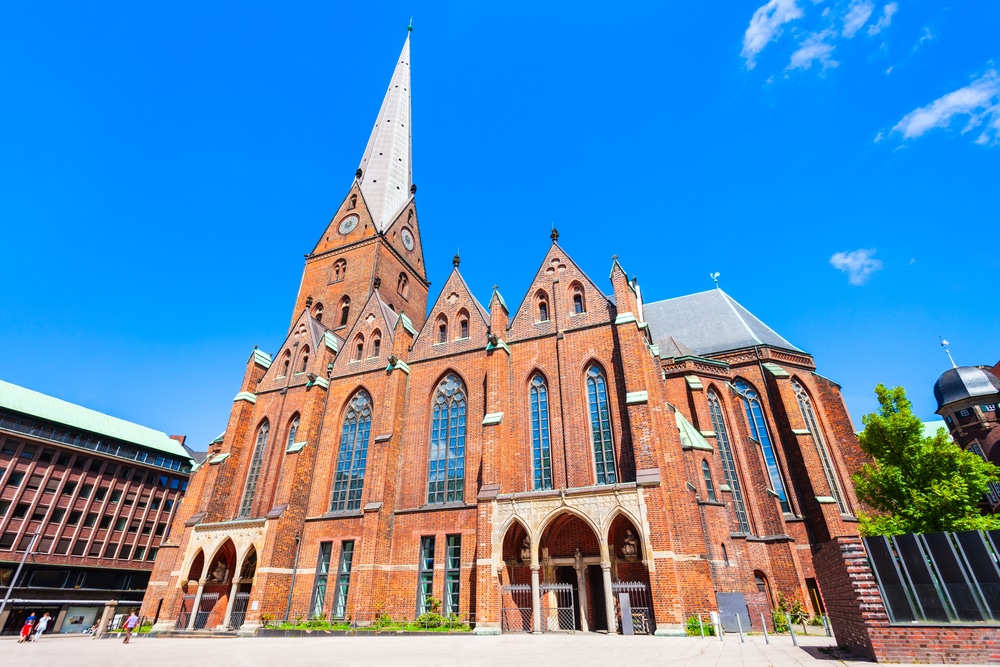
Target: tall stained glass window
254 473
760 435
600 426
728 461
349 479
446 474
322 572
805 405
343 578
540 450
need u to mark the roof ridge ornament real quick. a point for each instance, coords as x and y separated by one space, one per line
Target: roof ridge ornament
715 278
555 233
945 345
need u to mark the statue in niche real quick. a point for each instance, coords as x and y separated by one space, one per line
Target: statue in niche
630 546
526 550
219 573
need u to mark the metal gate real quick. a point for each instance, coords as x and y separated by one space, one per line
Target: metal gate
239 613
640 604
208 601
558 610
185 613
515 609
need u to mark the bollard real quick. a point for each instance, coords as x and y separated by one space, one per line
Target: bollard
764 625
701 626
791 629
804 630
739 626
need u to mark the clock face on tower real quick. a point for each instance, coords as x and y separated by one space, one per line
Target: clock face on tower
407 238
348 224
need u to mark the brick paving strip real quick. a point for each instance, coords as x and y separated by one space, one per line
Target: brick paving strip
469 651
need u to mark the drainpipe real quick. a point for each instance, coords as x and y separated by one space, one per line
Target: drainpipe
295 567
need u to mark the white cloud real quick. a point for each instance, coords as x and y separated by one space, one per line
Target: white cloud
813 48
979 101
859 265
857 16
885 20
765 25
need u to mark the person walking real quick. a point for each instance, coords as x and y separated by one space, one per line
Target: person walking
130 624
42 624
29 625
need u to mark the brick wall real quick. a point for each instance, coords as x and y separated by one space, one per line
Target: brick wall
861 624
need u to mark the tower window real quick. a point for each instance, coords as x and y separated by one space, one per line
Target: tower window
339 270
353 203
403 286
345 311
318 312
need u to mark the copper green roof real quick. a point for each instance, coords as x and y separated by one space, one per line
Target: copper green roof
35 404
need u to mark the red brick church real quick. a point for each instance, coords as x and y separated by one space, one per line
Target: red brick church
527 469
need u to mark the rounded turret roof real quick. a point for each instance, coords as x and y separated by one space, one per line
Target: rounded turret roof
958 384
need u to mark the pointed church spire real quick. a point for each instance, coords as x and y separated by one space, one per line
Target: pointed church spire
386 173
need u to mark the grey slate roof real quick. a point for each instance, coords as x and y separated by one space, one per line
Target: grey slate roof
707 323
958 384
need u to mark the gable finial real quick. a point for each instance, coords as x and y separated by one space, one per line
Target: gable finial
715 278
945 345
456 260
409 28
555 233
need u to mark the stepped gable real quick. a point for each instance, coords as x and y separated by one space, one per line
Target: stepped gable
558 280
351 223
709 322
454 304
305 339
374 322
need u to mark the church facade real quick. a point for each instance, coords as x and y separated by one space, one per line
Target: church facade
525 469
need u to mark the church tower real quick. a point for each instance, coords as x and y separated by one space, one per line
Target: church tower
372 243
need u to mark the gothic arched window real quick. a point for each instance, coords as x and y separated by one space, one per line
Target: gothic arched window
339 270
541 456
345 310
463 324
600 426
403 286
579 305
728 461
759 433
829 470
349 479
304 360
442 327
709 485
446 471
542 306
293 430
254 473
286 362
318 312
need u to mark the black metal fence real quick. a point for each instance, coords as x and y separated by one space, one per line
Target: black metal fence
938 577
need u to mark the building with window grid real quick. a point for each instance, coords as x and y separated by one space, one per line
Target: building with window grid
88 498
519 469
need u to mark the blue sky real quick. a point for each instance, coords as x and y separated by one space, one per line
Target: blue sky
165 168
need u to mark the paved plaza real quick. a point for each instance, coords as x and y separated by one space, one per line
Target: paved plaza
500 651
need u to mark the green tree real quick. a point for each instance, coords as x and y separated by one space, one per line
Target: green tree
918 484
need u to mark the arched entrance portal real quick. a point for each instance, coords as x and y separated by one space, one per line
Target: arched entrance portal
630 577
573 593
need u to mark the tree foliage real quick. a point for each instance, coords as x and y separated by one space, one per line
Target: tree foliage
918 484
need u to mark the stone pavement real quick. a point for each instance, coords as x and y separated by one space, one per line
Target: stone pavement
582 650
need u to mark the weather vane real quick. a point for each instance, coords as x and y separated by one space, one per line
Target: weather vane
715 277
945 345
